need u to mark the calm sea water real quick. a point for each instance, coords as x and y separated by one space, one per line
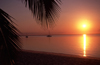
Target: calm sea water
83 45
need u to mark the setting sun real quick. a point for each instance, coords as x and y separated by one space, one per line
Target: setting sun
84 25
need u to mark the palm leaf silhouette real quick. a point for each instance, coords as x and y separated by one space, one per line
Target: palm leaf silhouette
9 39
44 10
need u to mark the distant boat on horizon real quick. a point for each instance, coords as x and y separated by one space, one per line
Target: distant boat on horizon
26 36
49 36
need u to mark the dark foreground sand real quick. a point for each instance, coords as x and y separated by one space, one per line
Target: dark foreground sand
43 58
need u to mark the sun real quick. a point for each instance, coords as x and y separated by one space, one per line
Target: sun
84 25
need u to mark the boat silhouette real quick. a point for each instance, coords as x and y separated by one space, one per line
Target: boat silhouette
26 36
49 36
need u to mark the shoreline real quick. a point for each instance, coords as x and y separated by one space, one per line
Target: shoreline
60 54
28 57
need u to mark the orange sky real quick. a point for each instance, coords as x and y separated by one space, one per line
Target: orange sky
74 13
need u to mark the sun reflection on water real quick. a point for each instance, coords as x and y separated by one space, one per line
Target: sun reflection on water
84 48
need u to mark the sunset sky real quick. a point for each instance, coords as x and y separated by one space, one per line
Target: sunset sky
74 15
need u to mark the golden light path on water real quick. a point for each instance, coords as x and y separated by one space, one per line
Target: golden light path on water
84 48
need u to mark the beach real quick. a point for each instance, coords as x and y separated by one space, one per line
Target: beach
27 57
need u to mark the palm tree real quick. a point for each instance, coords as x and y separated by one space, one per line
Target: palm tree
9 39
44 12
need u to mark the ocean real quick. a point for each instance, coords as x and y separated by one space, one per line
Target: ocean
83 45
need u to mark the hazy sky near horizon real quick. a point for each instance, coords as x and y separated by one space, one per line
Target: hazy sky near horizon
74 13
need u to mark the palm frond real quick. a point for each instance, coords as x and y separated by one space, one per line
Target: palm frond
9 39
44 10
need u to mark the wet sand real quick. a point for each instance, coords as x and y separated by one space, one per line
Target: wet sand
45 58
